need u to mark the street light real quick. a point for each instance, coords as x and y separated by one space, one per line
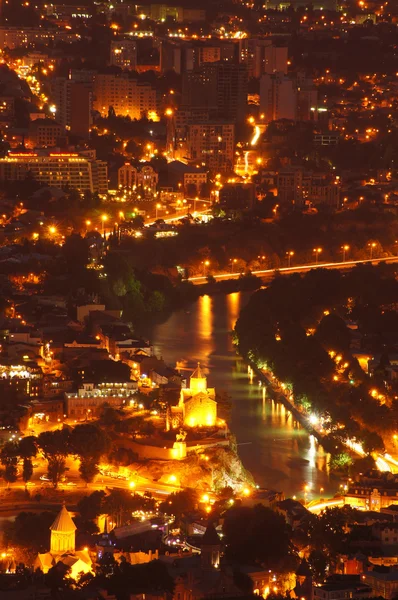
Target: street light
317 252
52 229
104 218
206 263
372 246
345 248
233 262
158 206
306 490
289 255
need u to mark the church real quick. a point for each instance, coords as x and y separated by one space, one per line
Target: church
197 406
62 548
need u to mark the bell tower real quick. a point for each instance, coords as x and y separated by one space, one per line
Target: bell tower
210 549
198 381
62 533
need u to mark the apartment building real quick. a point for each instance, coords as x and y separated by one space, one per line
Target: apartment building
126 95
57 169
212 144
123 54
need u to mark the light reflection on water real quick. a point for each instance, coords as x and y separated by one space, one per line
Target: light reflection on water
279 453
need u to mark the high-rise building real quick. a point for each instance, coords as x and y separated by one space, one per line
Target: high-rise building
126 95
286 97
262 56
124 54
220 87
278 97
180 55
56 169
299 187
73 104
212 144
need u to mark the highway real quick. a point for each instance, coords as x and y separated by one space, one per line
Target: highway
200 279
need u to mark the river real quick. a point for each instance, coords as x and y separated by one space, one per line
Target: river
277 450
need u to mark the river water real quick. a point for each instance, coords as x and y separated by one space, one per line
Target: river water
277 450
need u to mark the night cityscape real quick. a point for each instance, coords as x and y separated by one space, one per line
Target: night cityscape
199 300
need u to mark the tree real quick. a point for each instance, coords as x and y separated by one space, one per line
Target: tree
55 446
9 460
29 531
179 503
89 443
76 253
333 333
120 503
90 507
27 449
245 530
318 563
156 302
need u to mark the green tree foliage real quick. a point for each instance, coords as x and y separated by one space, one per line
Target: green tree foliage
119 505
30 531
9 460
27 449
333 333
327 531
246 531
275 329
55 446
179 503
76 253
90 507
89 443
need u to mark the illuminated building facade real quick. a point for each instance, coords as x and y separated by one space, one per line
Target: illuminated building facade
262 56
87 401
212 144
197 406
73 102
56 169
126 95
45 133
124 54
16 37
26 379
299 187
132 177
63 548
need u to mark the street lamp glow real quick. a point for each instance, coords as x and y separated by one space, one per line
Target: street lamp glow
52 229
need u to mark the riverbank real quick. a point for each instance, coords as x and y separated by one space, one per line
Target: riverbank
271 442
